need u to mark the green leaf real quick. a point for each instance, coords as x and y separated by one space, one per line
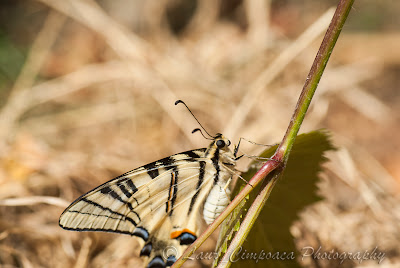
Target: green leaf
269 242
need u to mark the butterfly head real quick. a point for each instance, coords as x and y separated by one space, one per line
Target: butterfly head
221 142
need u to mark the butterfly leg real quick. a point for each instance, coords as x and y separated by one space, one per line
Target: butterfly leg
226 187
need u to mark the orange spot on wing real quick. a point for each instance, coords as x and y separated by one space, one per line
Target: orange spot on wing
178 233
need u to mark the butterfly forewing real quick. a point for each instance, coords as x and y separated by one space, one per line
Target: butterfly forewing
115 205
159 202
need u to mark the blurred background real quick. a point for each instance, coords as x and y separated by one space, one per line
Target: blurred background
87 92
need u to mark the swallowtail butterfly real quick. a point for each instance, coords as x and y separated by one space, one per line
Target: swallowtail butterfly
160 202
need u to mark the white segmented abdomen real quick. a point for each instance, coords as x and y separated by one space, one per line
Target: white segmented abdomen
216 202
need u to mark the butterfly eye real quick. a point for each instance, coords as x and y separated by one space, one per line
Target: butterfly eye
220 144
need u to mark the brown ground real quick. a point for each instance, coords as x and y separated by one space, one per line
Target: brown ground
95 98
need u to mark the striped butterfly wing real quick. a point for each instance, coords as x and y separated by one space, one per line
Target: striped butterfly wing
158 202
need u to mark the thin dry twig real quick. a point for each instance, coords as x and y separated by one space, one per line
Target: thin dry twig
20 96
83 256
258 17
205 17
86 76
126 44
33 200
276 67
129 47
82 117
24 260
351 174
368 105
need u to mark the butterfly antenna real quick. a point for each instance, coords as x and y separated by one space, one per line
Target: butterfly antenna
198 129
180 101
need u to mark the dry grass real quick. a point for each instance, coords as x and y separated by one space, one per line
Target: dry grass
106 106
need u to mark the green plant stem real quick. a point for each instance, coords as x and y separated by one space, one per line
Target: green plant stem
247 224
313 78
283 151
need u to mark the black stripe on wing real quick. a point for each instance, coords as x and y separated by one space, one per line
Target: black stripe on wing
199 183
152 169
112 211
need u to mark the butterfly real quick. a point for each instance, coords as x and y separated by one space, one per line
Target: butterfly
161 202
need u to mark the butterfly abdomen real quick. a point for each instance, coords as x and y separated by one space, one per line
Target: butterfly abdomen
216 202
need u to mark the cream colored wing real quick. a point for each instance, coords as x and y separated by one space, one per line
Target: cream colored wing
158 202
116 205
